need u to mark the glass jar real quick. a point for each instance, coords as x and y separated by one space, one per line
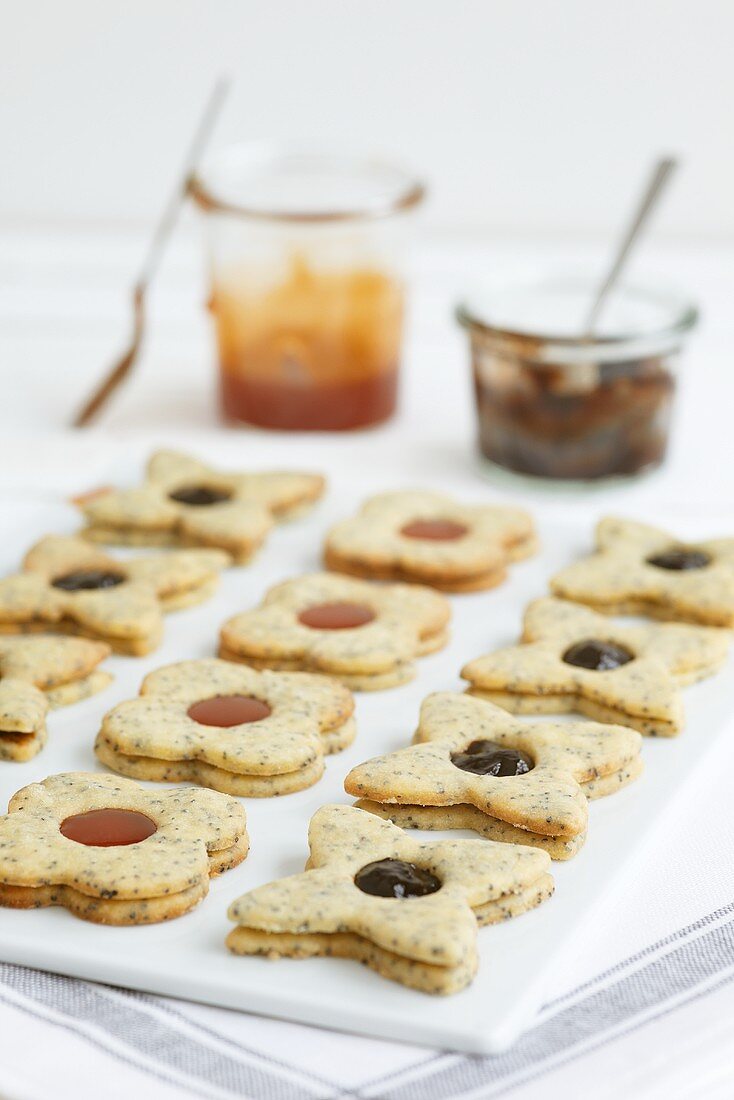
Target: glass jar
307 284
555 403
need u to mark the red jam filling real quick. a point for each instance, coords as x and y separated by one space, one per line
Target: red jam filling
336 616
228 710
108 828
438 530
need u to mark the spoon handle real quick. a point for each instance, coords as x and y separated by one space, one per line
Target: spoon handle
122 366
660 175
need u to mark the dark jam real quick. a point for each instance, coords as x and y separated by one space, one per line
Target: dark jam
88 580
488 758
199 496
394 878
547 421
597 656
680 558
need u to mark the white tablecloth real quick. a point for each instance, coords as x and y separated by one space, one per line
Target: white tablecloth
646 1007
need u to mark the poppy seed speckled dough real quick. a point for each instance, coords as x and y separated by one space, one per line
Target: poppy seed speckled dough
184 502
426 942
432 539
155 737
405 621
197 834
38 673
422 787
641 570
128 614
644 692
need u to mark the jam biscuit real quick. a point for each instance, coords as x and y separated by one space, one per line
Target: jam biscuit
36 674
408 909
70 586
473 766
573 659
641 570
183 502
366 634
430 538
228 727
112 852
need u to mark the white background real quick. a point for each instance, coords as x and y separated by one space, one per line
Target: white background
524 115
531 119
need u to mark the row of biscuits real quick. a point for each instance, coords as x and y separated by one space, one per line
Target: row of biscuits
555 758
473 766
103 847
68 586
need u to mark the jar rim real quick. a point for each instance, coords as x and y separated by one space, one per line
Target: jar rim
399 191
684 315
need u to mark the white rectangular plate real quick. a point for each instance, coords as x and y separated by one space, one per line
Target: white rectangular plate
187 957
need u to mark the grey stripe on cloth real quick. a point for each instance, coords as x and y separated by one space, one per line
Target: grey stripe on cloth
66 1026
235 1044
599 1017
646 952
129 1027
153 1046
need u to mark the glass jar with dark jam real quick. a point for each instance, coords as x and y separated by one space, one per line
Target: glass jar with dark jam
307 287
554 402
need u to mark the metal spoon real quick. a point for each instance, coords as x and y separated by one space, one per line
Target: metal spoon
661 173
123 365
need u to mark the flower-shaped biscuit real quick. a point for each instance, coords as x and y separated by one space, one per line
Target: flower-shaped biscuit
68 585
184 502
473 766
229 727
642 570
573 659
36 674
431 538
406 908
111 852
364 633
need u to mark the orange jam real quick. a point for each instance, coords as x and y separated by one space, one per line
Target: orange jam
318 350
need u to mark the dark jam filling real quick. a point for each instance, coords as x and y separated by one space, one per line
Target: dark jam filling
489 758
200 496
598 656
394 878
680 558
84 580
533 419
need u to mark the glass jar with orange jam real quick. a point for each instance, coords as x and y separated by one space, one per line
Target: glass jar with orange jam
307 287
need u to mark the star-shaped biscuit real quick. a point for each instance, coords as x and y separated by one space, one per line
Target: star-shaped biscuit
274 728
184 502
377 629
430 538
404 907
639 569
473 766
36 674
111 852
573 659
70 586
